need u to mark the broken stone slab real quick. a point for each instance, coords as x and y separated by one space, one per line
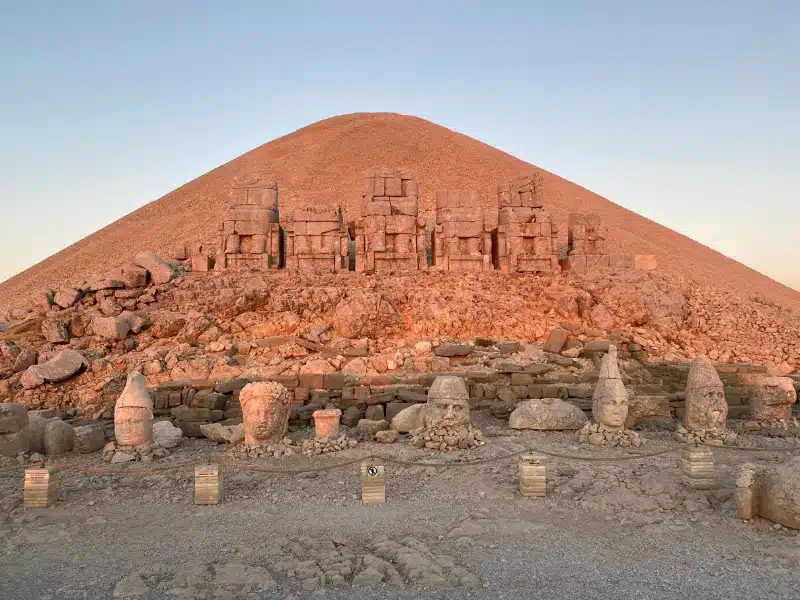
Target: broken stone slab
62 366
408 419
55 331
89 438
547 414
66 297
132 276
596 346
58 437
13 417
191 415
160 270
223 434
105 284
370 428
26 358
166 435
647 407
111 328
450 350
556 340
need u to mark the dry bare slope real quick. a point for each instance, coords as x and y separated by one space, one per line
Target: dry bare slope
321 163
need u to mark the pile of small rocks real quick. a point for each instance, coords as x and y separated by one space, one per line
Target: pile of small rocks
145 453
597 435
712 437
446 439
290 447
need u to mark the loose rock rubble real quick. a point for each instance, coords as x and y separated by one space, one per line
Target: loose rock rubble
447 438
290 447
114 454
712 437
597 435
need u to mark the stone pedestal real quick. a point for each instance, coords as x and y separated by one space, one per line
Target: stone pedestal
326 423
697 464
532 476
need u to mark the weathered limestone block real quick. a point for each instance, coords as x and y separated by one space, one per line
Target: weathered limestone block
131 275
771 398
14 429
58 437
647 407
265 410
88 439
26 358
133 413
66 297
160 270
317 240
408 419
547 414
111 328
326 423
166 435
223 434
460 241
62 366
770 492
55 331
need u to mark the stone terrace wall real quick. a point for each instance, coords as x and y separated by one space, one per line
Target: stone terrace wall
383 396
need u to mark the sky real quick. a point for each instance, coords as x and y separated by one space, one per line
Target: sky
685 112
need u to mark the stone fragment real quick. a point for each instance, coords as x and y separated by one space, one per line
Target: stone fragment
186 414
387 436
66 297
11 444
370 428
26 358
326 423
13 417
774 492
133 413
59 437
706 407
166 435
547 414
556 340
771 398
88 439
647 407
223 434
160 270
55 331
62 366
408 419
265 410
110 328
453 350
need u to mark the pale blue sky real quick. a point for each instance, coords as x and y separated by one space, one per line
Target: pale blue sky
685 112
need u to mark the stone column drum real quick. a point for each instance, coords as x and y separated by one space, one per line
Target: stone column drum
265 410
326 423
133 413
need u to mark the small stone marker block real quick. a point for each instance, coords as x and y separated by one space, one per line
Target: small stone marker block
373 483
532 476
697 464
207 484
745 505
39 489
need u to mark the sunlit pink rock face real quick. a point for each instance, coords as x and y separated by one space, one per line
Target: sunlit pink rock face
265 409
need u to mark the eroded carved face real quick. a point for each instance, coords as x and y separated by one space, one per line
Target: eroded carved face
446 412
613 412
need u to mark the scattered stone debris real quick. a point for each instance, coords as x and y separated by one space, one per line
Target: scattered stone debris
598 435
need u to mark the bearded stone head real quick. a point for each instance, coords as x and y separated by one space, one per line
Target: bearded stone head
448 403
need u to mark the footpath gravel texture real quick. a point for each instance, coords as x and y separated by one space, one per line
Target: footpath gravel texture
605 530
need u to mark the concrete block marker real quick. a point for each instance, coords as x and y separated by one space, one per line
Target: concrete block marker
373 483
532 476
39 490
697 464
207 484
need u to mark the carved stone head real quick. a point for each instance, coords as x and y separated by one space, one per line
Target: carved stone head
448 403
706 407
610 399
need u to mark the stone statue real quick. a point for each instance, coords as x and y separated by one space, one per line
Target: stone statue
448 403
706 407
609 408
443 422
265 410
770 492
610 398
133 413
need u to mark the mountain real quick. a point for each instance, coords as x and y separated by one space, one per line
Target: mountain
321 164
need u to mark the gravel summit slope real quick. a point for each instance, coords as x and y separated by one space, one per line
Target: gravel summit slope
321 164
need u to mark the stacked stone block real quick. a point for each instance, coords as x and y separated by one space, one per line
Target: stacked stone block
527 237
317 240
460 241
389 234
251 235
588 250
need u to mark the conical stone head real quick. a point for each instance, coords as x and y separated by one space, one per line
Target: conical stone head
610 398
135 394
706 407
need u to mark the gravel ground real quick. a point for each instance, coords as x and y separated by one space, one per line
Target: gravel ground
618 530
